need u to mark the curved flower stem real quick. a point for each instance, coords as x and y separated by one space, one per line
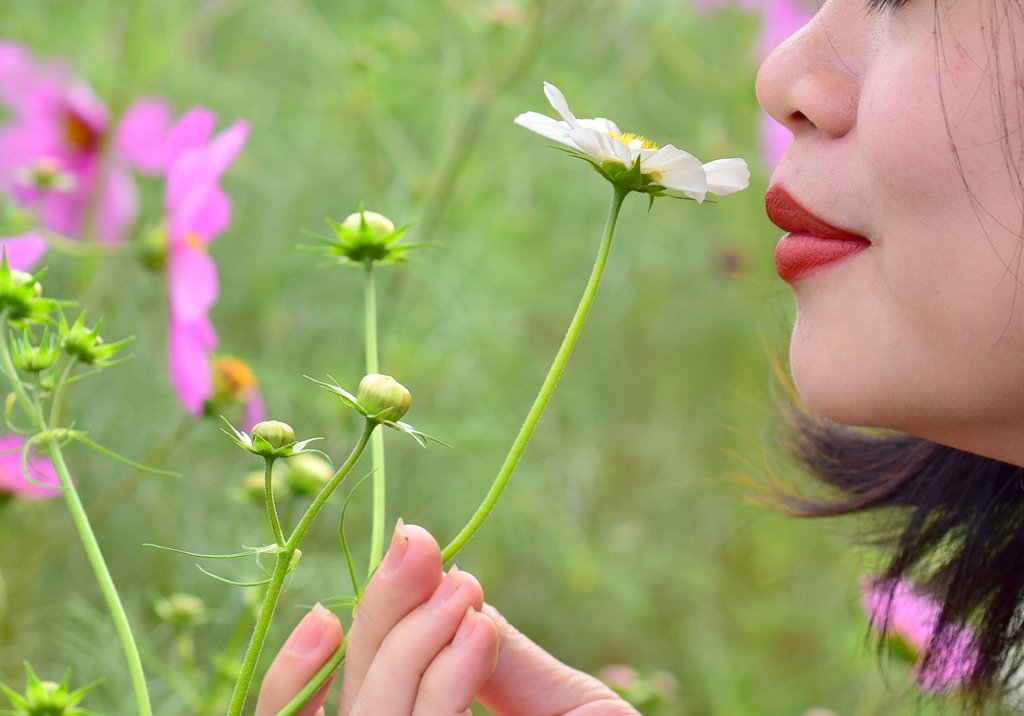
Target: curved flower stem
281 569
268 492
99 566
318 680
547 388
259 632
377 442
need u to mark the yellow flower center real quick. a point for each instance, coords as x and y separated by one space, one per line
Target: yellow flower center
629 137
193 241
233 380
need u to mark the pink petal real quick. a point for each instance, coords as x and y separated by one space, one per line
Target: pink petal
775 138
191 281
781 18
191 131
23 252
118 206
142 135
226 146
189 343
254 411
83 103
12 478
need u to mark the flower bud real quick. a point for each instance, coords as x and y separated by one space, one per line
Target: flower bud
308 474
20 278
276 433
181 610
380 225
383 397
254 485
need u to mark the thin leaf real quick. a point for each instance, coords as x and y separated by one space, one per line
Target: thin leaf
204 556
234 584
344 542
121 458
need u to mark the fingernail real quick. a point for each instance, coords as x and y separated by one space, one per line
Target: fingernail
310 632
466 627
396 552
448 586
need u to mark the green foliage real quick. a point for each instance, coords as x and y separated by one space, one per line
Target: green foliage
627 535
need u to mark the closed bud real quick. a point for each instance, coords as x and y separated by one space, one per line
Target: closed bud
308 474
254 485
181 610
20 278
383 397
276 433
379 224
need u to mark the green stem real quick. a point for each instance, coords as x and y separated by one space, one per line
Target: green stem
321 499
377 442
268 491
318 680
281 569
548 387
259 632
99 566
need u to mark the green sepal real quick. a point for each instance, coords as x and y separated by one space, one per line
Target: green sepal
86 344
257 445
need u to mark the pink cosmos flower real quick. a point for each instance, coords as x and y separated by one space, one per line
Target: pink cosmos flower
781 18
56 122
898 610
197 209
12 479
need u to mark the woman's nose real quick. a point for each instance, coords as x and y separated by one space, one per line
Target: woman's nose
806 85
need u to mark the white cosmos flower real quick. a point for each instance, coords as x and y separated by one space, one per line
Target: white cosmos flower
665 171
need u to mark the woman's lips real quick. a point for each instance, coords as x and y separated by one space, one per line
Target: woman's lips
811 243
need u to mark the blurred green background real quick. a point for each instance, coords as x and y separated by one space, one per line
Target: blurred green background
628 534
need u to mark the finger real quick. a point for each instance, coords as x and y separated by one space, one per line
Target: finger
527 681
455 675
307 649
408 575
393 679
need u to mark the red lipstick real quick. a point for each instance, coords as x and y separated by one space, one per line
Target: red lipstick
812 243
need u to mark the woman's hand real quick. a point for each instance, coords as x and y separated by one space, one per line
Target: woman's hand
424 644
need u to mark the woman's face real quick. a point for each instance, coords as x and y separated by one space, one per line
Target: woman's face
907 131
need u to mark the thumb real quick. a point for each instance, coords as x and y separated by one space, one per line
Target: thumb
528 681
307 649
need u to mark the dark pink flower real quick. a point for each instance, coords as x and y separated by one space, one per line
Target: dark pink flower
13 480
197 210
55 121
897 610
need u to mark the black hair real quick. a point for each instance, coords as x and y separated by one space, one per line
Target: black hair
953 521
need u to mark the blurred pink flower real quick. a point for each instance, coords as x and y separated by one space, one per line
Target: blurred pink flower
780 19
12 479
897 610
56 121
197 209
234 382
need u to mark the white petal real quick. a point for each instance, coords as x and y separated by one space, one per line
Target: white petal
545 126
726 176
605 126
557 100
680 171
601 146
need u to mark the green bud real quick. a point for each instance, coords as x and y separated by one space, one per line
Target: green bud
47 698
181 610
308 474
275 433
379 224
86 344
21 296
383 397
254 489
34 358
